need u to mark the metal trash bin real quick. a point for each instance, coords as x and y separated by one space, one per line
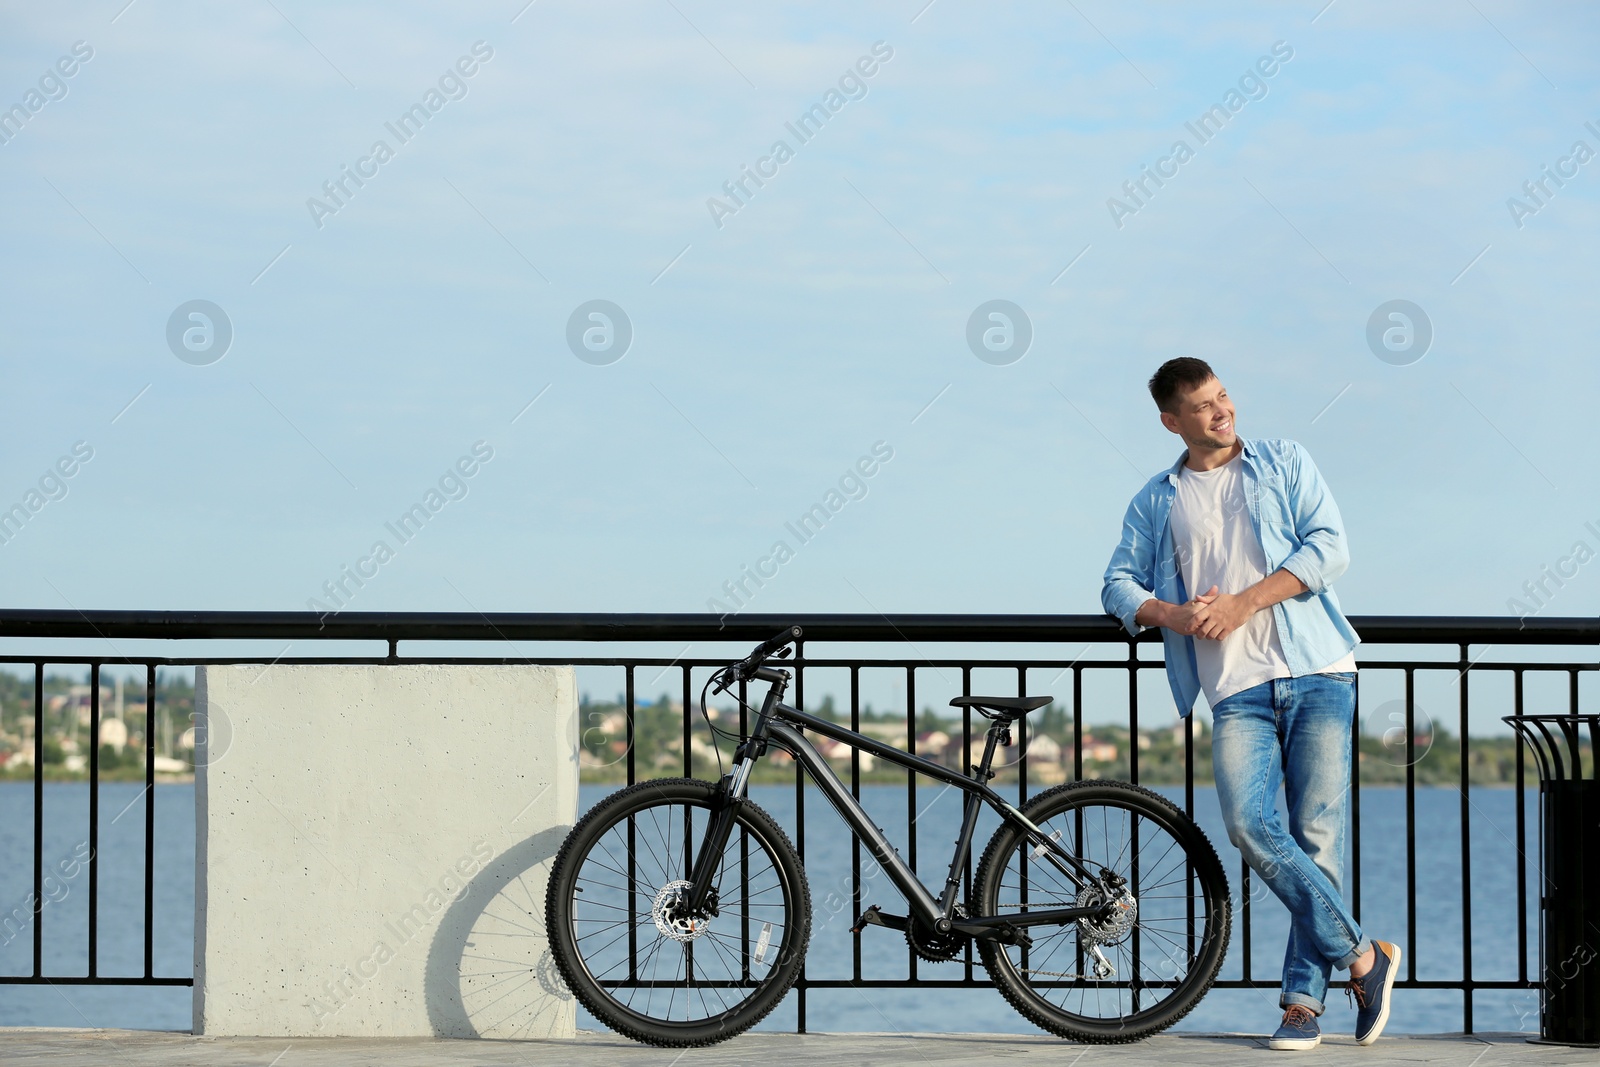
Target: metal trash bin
1569 864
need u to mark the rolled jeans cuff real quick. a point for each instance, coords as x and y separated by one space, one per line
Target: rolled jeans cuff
1305 1000
1355 954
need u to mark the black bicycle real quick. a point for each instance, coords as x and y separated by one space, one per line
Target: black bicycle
679 914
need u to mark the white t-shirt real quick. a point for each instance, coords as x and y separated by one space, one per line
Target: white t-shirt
1217 545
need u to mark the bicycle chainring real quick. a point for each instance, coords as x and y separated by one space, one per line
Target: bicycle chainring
929 944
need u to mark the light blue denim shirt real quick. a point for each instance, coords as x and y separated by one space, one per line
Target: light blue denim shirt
1300 530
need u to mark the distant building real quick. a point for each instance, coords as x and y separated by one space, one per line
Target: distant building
1100 751
893 733
834 751
1042 748
114 732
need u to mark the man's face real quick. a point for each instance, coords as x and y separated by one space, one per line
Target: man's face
1204 418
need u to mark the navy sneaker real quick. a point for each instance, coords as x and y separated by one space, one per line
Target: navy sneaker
1372 990
1299 1032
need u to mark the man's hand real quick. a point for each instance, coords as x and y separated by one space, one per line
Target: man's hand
1215 615
1222 615
1186 618
1225 613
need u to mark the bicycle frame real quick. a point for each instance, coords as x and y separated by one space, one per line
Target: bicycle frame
778 723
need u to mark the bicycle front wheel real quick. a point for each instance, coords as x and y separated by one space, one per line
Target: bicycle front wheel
1142 968
635 958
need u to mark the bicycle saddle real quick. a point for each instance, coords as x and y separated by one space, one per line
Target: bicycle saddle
1002 707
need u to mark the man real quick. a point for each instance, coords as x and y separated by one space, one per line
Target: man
1252 523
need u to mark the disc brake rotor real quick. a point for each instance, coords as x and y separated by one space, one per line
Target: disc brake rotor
671 916
1112 929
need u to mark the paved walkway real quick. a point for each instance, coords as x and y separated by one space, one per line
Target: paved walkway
138 1048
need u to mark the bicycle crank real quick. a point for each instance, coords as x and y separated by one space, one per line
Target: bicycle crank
930 944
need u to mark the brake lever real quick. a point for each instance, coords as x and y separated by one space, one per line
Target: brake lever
745 668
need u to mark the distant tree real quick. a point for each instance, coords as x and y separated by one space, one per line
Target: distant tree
868 715
1052 720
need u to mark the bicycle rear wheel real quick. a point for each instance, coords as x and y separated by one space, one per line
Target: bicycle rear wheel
1142 969
634 958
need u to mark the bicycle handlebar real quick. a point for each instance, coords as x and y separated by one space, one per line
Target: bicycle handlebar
745 667
772 644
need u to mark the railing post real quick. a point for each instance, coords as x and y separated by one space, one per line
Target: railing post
1569 875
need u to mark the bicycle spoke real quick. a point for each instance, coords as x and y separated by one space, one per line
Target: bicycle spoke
1149 960
702 970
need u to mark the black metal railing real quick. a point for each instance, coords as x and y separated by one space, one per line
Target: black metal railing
895 635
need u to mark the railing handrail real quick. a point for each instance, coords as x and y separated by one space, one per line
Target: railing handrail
896 638
705 626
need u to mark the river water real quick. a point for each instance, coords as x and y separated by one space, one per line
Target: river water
827 855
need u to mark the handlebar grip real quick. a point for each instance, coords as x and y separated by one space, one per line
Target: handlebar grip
756 658
772 644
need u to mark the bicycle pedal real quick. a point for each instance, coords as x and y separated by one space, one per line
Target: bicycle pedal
874 916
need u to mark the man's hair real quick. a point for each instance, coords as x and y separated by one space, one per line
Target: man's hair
1176 375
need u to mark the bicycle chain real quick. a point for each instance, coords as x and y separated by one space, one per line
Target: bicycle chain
1030 972
1060 974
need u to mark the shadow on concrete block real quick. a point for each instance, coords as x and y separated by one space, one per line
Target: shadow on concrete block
482 979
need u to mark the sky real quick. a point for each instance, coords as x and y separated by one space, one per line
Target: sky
362 346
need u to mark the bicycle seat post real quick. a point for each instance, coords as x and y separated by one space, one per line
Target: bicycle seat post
997 735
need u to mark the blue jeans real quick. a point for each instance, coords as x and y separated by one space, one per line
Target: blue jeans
1294 732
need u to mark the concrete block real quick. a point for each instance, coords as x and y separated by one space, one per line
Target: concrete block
373 847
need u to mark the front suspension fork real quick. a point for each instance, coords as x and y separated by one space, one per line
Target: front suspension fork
730 795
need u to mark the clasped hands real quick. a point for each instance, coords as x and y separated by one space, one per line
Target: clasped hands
1211 615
